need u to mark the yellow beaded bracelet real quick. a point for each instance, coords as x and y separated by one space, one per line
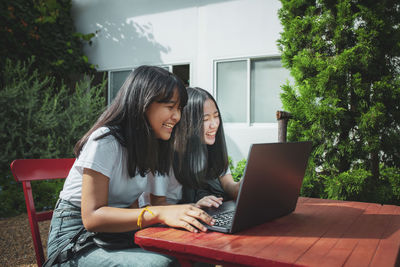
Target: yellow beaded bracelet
140 218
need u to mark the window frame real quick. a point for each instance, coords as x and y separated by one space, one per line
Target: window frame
248 60
164 65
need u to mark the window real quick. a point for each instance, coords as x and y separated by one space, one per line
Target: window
248 90
231 82
183 72
117 78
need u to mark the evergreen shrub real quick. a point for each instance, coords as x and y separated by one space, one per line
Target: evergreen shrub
344 58
40 119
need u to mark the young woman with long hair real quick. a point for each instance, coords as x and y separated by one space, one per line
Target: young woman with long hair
200 163
132 138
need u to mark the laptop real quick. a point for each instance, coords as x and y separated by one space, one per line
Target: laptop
270 187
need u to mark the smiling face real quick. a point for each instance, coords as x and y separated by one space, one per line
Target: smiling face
162 117
211 121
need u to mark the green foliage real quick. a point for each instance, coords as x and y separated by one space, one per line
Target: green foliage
41 120
313 185
44 29
237 172
357 184
390 180
344 57
347 185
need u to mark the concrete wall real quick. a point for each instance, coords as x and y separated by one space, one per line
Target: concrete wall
195 32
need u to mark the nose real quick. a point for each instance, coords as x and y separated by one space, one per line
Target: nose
213 123
176 115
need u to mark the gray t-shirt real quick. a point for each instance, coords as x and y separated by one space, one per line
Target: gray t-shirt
108 157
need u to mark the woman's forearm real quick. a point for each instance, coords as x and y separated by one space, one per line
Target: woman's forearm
111 219
230 186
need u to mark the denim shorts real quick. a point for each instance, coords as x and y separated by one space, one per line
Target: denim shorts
67 221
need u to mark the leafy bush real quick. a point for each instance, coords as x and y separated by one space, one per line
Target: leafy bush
357 185
41 120
354 185
237 172
347 185
388 190
45 29
313 185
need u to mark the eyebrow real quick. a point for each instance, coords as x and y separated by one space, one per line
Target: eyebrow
208 114
168 102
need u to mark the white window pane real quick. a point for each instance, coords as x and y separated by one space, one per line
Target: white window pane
231 90
267 77
117 78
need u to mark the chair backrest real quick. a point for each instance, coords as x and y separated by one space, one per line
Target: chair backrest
27 170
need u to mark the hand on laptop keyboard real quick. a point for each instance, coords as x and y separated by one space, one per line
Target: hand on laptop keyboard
209 201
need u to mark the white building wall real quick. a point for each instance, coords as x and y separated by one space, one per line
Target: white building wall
198 32
136 32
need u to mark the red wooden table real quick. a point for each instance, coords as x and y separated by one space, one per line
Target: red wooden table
319 233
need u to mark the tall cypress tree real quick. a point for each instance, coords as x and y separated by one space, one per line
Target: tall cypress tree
344 56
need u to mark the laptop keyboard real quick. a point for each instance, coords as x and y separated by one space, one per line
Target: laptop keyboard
224 218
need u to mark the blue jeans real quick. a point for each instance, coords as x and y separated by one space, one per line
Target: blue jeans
67 221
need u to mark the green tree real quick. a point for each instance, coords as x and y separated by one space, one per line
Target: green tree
344 57
44 29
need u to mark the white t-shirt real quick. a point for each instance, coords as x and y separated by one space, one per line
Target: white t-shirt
160 185
167 186
108 157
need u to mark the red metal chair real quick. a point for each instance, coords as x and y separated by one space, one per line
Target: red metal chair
27 170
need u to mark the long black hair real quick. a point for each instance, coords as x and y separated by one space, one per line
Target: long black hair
127 121
195 162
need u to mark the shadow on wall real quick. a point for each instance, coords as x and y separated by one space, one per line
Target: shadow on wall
142 7
124 36
130 42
